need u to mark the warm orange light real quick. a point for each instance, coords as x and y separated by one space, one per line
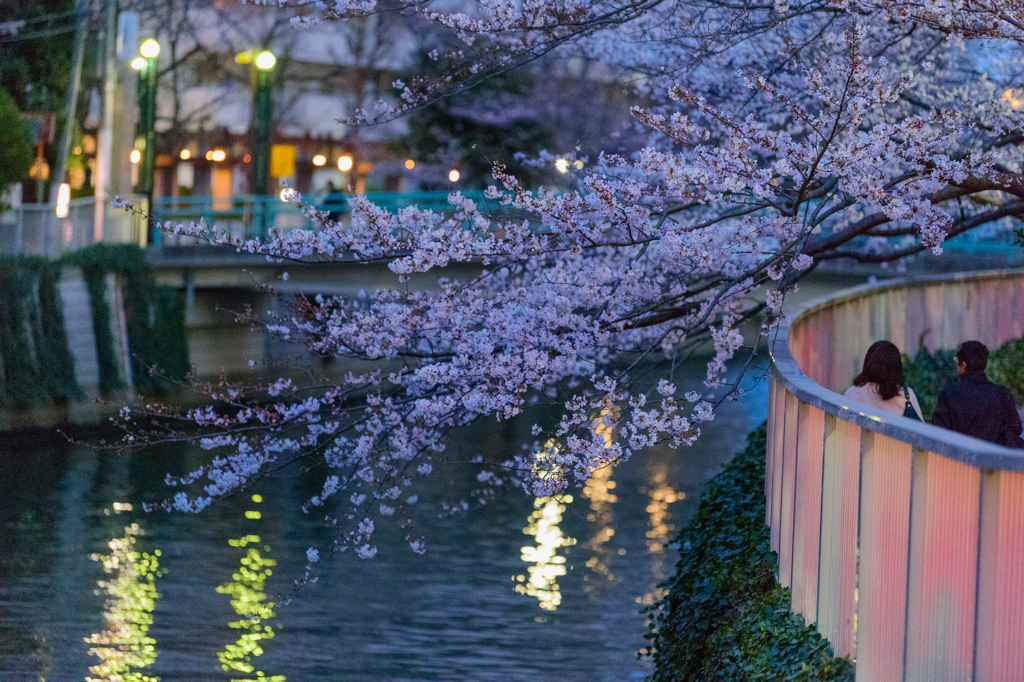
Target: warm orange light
410 164
454 175
246 158
136 156
319 160
209 155
185 155
1010 96
345 163
218 155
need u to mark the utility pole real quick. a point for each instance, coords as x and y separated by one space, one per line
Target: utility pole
70 101
105 141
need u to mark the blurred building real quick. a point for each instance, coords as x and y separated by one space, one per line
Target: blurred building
323 74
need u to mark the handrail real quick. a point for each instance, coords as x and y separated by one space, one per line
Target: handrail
901 542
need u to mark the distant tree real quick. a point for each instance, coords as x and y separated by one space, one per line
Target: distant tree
480 127
35 62
35 54
15 143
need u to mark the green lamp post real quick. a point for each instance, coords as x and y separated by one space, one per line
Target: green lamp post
262 123
144 139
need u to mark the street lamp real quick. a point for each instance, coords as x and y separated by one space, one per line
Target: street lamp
265 60
262 110
149 49
144 139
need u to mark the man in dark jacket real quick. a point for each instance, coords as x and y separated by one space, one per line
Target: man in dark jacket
975 406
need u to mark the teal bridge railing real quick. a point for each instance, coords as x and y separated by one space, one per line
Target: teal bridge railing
252 216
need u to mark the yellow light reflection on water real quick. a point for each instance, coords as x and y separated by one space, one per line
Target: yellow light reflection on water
660 496
124 642
598 490
548 565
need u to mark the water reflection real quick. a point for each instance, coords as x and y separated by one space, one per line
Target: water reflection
250 602
598 491
548 566
660 495
124 643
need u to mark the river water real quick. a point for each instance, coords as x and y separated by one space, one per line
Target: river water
522 589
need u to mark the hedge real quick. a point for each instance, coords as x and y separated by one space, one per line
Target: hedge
36 367
723 616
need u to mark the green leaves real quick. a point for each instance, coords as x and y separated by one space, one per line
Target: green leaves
36 367
928 373
724 617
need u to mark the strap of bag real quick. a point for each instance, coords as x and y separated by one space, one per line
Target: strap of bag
908 407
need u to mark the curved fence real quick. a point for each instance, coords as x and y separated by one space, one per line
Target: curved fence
901 541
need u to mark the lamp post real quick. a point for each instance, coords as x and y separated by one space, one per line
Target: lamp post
144 139
262 111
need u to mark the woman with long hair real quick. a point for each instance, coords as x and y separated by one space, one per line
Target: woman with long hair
881 382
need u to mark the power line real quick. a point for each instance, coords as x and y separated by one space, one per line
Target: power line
46 33
14 30
41 17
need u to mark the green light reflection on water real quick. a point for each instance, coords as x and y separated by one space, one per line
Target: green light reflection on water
250 602
124 642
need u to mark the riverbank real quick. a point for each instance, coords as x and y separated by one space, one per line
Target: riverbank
724 616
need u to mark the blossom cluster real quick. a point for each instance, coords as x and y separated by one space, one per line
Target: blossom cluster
756 175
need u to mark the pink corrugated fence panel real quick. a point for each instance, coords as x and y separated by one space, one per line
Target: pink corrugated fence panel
778 461
807 531
1000 641
838 559
788 491
943 562
884 545
917 322
1009 320
769 461
951 314
819 342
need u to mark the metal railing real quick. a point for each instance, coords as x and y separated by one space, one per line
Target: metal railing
251 216
35 230
902 542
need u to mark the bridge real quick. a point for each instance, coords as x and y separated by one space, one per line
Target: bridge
34 229
902 543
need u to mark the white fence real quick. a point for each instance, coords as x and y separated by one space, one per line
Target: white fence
35 229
